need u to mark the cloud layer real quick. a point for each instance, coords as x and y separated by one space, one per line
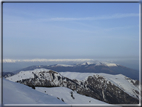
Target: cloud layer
114 16
44 60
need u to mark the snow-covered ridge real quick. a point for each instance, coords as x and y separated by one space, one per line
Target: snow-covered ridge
110 64
26 74
64 65
100 63
106 64
88 63
76 80
119 80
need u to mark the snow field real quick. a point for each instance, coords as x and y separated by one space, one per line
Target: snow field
69 96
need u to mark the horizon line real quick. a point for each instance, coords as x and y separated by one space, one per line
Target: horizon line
65 60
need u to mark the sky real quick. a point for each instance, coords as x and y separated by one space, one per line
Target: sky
70 30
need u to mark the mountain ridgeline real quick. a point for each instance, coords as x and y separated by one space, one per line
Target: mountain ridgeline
109 68
113 89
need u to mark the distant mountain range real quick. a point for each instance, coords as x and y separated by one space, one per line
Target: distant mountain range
88 67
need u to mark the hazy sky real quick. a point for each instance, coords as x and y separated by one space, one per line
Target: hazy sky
70 30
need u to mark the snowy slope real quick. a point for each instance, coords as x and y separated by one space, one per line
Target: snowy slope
69 96
123 82
119 80
15 93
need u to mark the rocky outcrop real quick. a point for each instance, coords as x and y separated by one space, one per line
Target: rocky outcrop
99 88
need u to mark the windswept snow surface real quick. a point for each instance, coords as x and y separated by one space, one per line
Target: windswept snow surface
69 96
119 80
15 93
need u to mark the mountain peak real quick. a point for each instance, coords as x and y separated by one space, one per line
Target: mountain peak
88 63
106 64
